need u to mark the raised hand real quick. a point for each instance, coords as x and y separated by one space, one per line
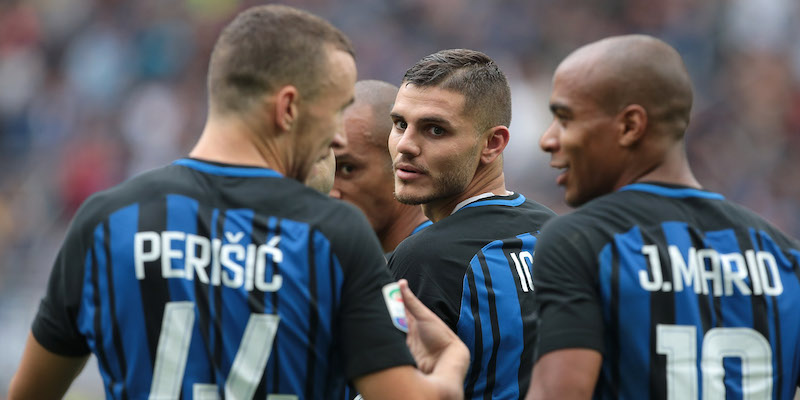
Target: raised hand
428 337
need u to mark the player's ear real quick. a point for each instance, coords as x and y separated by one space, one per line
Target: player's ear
496 140
285 108
633 123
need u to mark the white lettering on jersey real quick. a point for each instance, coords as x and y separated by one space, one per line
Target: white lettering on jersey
707 271
523 263
189 256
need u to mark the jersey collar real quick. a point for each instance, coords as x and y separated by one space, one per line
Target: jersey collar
673 191
490 199
227 170
421 226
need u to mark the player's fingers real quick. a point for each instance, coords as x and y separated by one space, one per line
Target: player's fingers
414 308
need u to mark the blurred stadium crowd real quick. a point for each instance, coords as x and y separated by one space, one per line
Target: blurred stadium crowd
94 91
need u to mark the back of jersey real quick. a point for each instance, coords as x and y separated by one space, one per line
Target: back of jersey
700 299
208 289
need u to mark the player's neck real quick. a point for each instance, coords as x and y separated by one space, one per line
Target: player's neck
673 168
486 180
407 219
233 141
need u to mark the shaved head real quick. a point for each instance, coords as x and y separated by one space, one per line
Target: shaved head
364 175
377 96
635 69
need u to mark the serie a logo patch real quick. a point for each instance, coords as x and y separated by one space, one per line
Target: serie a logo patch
394 302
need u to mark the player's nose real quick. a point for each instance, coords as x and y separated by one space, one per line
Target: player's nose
548 142
407 144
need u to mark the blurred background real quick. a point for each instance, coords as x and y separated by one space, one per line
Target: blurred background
95 91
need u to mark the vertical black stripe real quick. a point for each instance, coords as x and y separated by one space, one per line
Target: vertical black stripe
614 350
334 291
153 288
477 351
116 333
331 378
702 299
662 311
255 299
204 217
758 302
716 301
492 366
313 318
275 355
98 322
777 321
778 351
217 348
527 310
258 235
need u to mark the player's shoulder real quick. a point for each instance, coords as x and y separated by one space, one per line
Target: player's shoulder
422 244
750 218
537 209
588 225
135 189
335 216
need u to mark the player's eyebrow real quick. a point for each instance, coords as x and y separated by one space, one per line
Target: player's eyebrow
425 120
436 120
344 157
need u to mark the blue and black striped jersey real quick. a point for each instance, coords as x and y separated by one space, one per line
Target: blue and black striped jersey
472 269
202 280
686 295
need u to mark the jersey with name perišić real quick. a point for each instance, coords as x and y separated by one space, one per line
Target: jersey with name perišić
205 280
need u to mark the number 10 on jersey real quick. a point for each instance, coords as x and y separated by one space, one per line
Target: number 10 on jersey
679 344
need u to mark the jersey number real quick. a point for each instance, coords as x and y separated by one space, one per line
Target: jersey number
679 344
173 352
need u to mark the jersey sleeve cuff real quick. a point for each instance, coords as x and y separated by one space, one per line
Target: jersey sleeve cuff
375 360
53 340
569 340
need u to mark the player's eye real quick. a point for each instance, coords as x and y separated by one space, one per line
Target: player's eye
561 118
400 125
437 131
345 169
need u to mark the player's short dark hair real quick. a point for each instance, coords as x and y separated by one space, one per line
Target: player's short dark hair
474 75
266 47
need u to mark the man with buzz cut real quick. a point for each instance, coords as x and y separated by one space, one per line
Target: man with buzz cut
653 288
222 275
472 266
364 166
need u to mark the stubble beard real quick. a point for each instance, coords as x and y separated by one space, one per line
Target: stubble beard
450 184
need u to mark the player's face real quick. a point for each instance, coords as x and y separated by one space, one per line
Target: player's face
364 168
434 146
581 141
321 117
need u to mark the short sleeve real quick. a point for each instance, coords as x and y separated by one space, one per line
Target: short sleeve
369 340
565 278
435 277
55 326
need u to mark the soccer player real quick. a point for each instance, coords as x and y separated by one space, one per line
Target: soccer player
471 267
364 167
222 275
654 288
